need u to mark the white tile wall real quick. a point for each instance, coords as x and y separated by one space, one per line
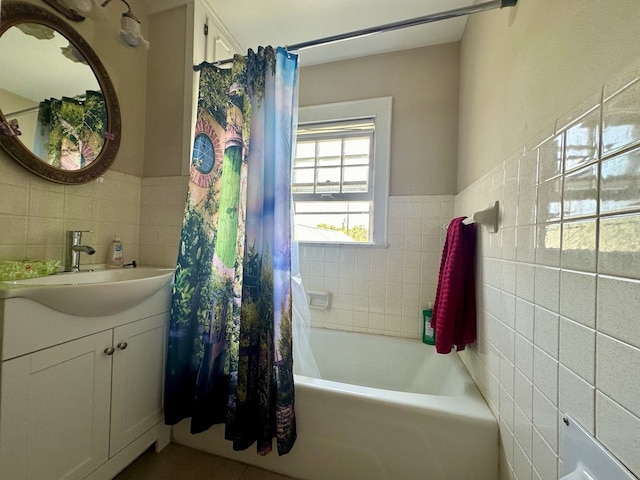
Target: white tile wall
161 213
383 290
35 213
570 200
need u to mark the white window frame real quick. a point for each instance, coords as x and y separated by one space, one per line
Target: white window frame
380 110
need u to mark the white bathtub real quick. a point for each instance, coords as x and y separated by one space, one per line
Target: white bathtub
386 408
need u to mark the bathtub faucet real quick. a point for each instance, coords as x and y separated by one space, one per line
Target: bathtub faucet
73 248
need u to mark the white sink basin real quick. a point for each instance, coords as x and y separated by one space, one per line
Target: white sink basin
91 293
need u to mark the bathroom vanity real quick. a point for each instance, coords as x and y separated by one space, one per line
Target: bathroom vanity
81 395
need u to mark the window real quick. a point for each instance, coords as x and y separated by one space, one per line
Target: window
340 178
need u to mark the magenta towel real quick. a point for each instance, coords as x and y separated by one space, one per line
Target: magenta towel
454 311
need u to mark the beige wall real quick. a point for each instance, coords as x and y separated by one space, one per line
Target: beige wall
127 68
424 85
524 65
164 138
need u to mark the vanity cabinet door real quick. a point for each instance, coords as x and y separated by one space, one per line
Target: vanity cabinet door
138 376
54 411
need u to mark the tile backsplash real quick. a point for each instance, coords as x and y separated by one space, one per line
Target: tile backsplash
382 290
559 286
35 213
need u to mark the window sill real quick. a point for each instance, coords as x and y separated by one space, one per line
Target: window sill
347 245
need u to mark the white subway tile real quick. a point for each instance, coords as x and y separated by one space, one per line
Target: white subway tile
77 207
491 272
549 205
525 318
347 256
41 231
521 463
509 244
550 158
548 243
523 430
528 170
523 394
545 418
525 243
545 374
577 398
579 245
508 309
510 181
619 431
507 376
14 199
332 255
431 211
546 331
621 119
527 199
545 460
414 210
618 305
506 408
617 370
578 297
393 324
582 140
525 278
619 252
524 356
620 183
493 394
578 349
505 470
580 197
14 231
547 288
493 360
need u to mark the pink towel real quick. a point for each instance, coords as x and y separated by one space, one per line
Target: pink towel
454 311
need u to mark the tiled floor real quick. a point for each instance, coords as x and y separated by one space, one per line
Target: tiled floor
177 462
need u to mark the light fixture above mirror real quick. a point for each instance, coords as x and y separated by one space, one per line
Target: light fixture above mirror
78 10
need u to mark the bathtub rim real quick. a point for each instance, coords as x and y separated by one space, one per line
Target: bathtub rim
471 404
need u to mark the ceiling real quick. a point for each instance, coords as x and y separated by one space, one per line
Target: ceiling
286 22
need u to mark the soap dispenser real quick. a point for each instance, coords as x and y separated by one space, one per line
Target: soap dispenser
115 258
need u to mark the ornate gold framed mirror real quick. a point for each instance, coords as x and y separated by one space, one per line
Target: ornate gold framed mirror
59 113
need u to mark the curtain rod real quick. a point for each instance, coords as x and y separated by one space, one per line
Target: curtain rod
434 17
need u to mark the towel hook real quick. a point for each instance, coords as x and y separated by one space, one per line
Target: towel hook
487 217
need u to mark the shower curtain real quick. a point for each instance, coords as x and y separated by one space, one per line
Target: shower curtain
230 335
72 130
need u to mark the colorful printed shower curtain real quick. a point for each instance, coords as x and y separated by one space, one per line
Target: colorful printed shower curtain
72 130
230 335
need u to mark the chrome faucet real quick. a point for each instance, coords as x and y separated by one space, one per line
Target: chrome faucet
73 248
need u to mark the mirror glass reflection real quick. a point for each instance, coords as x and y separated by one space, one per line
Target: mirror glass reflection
51 96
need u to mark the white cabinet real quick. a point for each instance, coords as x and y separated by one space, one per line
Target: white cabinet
138 376
82 408
212 42
54 411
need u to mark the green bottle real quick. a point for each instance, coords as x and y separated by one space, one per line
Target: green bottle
428 333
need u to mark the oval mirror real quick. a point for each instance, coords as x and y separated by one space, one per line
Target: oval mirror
59 114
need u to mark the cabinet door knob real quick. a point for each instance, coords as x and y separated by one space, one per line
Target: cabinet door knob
122 345
109 350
